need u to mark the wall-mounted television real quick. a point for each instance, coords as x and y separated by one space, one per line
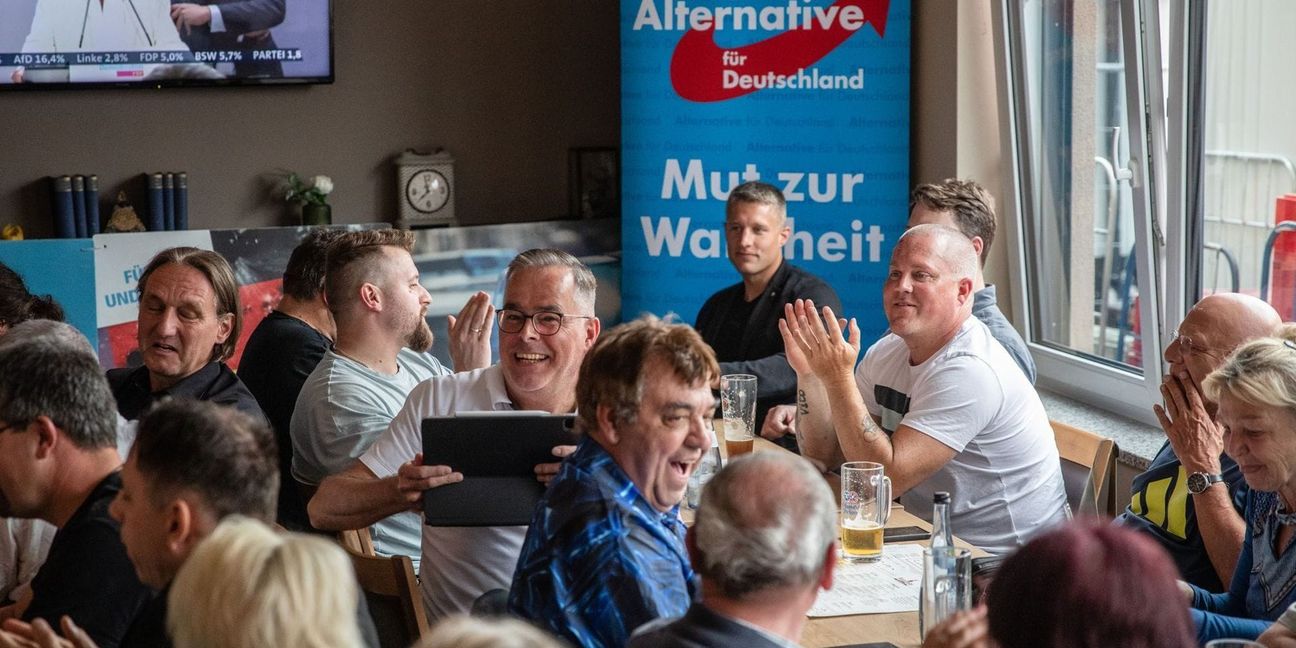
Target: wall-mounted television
155 43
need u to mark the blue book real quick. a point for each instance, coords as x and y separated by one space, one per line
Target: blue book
63 224
168 201
182 201
155 217
92 205
78 206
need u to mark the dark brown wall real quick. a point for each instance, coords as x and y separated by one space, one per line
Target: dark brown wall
507 87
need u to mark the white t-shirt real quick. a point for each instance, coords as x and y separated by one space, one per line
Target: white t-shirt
342 407
24 543
1006 478
459 563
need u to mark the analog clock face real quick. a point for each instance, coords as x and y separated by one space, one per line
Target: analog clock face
427 191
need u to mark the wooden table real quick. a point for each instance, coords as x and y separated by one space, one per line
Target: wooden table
900 628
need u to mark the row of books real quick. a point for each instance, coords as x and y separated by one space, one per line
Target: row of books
76 204
168 202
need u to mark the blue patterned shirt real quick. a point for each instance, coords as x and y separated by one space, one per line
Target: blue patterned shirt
599 560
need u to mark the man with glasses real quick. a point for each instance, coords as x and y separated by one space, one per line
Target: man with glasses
547 324
372 288
1191 497
59 463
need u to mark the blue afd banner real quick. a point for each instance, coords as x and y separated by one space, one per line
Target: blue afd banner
811 96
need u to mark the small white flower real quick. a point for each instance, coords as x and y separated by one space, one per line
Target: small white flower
322 184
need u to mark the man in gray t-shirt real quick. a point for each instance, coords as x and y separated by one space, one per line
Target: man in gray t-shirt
967 207
372 288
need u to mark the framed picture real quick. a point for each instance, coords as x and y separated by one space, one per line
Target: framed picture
593 182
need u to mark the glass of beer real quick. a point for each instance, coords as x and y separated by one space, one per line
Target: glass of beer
738 407
865 508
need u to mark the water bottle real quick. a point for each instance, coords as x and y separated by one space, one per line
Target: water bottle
941 537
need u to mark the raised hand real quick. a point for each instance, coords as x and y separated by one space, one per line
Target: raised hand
470 333
1195 437
816 347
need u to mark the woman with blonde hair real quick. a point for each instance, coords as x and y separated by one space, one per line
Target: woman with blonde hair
478 632
246 586
1256 392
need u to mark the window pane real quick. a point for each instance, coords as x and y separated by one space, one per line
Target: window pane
1080 229
1249 138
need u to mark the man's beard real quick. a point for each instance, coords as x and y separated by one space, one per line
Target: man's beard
420 339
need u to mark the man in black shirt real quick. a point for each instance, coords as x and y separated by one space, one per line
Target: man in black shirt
741 321
58 463
193 463
189 321
283 351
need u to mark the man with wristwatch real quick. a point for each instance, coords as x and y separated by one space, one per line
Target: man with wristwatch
1191 496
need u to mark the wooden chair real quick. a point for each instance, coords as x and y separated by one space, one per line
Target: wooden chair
1088 470
358 541
392 594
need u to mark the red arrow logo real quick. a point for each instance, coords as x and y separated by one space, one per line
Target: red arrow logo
697 64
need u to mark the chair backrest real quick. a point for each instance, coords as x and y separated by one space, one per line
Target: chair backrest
358 541
1088 470
392 594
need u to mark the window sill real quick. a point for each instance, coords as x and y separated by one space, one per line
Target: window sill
1138 442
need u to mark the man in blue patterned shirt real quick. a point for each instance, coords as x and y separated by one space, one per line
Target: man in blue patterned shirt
605 550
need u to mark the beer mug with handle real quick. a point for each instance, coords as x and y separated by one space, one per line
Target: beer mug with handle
865 508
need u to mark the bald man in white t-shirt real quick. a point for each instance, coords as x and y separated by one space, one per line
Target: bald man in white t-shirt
937 401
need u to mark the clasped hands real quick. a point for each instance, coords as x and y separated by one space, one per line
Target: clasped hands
816 347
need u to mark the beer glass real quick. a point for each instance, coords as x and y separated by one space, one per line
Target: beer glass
1233 643
865 508
705 470
738 406
946 585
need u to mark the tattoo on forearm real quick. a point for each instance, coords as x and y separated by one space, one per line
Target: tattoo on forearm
871 429
803 405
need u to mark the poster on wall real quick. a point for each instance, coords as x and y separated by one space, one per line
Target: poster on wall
453 264
55 267
811 96
257 257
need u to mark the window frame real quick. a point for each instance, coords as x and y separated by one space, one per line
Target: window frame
1123 390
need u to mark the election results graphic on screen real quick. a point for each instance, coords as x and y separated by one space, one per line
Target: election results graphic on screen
47 43
811 96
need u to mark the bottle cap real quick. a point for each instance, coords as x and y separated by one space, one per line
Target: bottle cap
941 497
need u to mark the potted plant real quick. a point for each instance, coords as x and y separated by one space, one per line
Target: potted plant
311 197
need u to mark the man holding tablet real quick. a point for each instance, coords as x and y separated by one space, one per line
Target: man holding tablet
546 326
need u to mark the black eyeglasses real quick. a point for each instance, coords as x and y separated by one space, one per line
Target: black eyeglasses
545 322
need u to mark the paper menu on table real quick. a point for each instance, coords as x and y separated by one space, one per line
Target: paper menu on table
889 585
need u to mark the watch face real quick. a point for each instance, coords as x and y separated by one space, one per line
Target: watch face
427 191
1199 482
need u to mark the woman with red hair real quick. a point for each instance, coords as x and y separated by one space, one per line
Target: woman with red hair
1082 585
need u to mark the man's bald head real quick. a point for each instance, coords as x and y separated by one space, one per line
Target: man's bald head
949 244
1216 326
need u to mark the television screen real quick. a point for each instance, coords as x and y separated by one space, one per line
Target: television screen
149 43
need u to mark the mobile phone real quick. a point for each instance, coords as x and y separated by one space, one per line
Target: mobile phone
904 534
